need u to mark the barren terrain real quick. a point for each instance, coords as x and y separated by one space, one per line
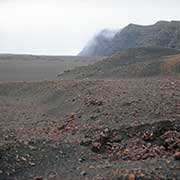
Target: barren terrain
98 129
33 68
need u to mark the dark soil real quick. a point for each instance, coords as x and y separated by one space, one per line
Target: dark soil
99 129
131 63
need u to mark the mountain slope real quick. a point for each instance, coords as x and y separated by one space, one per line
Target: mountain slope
137 62
99 44
162 34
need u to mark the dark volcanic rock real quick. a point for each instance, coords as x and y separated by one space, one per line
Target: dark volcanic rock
162 34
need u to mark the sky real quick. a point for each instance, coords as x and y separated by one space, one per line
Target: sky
63 27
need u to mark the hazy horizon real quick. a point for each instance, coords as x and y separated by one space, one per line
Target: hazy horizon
52 27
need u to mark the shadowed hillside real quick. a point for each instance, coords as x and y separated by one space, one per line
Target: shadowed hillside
162 34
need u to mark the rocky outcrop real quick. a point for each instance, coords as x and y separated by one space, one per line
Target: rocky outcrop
162 34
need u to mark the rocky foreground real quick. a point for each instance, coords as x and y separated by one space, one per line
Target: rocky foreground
99 129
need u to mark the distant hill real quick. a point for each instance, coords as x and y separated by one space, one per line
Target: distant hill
131 63
162 34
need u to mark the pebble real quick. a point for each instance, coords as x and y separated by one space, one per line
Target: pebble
1 171
52 176
32 147
32 164
23 159
177 156
72 115
81 159
91 167
38 178
106 130
26 143
102 134
83 173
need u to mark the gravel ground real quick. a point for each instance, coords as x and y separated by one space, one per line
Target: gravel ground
99 129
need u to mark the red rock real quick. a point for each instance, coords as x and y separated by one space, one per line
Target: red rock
131 177
177 156
148 136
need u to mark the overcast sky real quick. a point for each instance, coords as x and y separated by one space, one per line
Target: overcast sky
63 27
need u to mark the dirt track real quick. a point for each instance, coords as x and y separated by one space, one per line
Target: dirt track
90 129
